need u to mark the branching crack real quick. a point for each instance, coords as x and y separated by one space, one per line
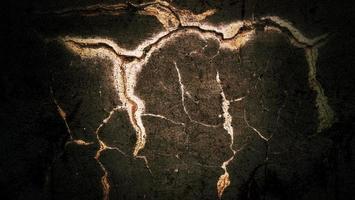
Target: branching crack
103 147
177 22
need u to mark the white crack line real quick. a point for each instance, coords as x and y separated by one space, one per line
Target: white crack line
183 92
224 180
163 117
254 129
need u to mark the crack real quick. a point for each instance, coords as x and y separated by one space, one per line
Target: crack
183 93
224 180
124 85
163 117
166 16
106 120
63 116
166 13
61 113
325 113
78 44
194 99
146 48
176 22
103 147
80 142
281 108
292 32
237 99
254 129
144 158
242 32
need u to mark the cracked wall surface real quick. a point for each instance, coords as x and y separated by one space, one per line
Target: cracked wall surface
183 100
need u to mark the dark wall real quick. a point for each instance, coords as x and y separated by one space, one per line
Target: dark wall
36 163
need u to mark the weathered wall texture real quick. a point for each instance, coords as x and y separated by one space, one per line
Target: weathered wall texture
178 100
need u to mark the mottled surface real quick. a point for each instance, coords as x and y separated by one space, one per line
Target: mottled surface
279 153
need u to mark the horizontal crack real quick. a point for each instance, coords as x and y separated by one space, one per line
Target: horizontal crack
163 117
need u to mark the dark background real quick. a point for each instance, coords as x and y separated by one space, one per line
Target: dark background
33 135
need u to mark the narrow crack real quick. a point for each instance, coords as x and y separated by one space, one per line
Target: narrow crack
281 108
254 129
61 113
163 117
237 99
63 116
183 92
128 63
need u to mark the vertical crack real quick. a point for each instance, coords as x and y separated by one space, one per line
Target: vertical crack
61 113
127 77
102 147
63 116
224 180
183 92
325 112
